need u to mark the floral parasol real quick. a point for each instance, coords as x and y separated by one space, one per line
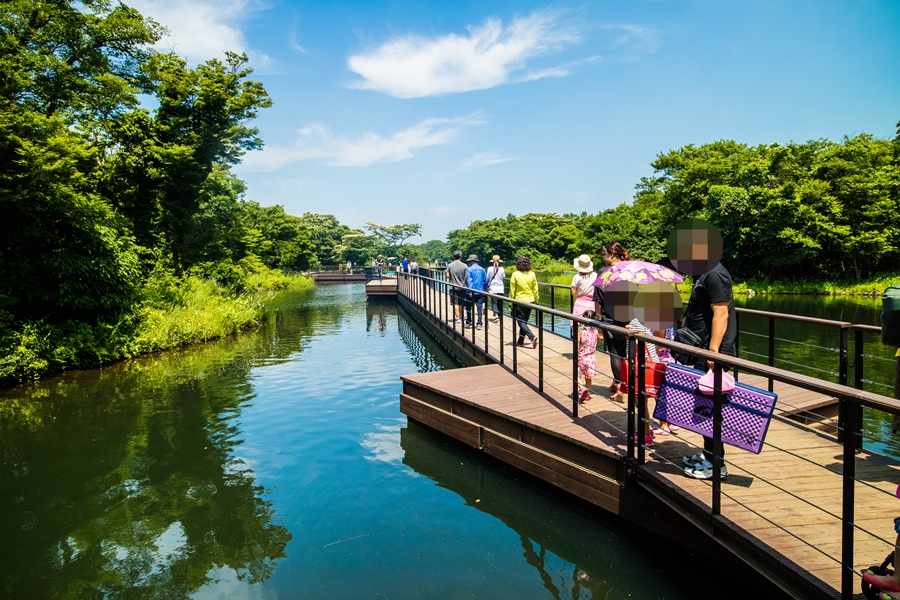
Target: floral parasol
638 271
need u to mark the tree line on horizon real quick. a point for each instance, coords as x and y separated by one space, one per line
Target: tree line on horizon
813 210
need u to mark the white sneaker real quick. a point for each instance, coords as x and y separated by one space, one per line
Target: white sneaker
694 460
704 470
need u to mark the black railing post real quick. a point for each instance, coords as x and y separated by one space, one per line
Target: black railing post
717 440
553 306
514 338
474 347
540 325
737 340
642 400
858 359
484 322
500 322
574 369
632 435
858 375
844 365
771 350
844 407
848 471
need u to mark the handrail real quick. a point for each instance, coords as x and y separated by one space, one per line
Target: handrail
850 399
873 400
841 347
789 317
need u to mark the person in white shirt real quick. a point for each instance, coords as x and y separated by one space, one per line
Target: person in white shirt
495 276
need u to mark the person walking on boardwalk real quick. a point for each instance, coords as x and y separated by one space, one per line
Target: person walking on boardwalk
349 268
583 285
524 288
587 353
456 272
496 274
404 266
414 267
476 279
711 316
616 345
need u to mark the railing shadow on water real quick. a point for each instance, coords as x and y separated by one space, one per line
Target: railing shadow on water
431 294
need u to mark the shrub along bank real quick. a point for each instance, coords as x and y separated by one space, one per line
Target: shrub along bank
171 312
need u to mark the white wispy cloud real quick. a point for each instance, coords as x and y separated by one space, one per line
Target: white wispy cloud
633 41
485 159
292 40
317 142
414 66
204 29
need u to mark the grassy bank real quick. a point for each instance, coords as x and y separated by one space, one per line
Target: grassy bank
870 287
171 312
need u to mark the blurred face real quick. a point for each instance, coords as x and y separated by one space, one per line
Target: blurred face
607 259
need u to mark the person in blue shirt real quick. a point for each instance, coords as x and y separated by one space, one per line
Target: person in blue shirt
404 266
476 278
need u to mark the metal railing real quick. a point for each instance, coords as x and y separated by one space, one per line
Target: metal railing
433 296
386 272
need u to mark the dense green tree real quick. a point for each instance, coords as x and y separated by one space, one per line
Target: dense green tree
201 122
63 253
279 240
326 234
393 236
435 250
66 70
357 247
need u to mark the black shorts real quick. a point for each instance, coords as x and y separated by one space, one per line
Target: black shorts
457 296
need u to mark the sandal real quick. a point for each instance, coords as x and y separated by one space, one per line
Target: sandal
617 397
884 583
584 395
534 343
648 440
660 431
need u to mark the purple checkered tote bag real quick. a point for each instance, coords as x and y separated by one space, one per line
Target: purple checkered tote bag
746 412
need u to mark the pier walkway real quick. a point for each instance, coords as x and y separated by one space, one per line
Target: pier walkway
808 513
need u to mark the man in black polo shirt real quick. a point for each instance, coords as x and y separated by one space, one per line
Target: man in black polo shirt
711 316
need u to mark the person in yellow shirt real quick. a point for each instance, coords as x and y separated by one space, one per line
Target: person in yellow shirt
524 288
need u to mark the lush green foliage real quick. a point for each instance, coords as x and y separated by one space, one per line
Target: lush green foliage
101 199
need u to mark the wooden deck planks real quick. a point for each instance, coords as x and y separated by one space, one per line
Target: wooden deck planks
745 496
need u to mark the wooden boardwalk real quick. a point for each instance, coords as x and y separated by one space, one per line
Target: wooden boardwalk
783 505
381 288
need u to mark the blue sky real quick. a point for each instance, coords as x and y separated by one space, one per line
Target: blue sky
441 113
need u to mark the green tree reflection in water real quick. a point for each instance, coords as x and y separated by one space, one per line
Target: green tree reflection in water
126 483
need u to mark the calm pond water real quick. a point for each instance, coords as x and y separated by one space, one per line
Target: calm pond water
277 465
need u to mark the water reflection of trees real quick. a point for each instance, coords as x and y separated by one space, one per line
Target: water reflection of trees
377 313
127 482
544 542
575 557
